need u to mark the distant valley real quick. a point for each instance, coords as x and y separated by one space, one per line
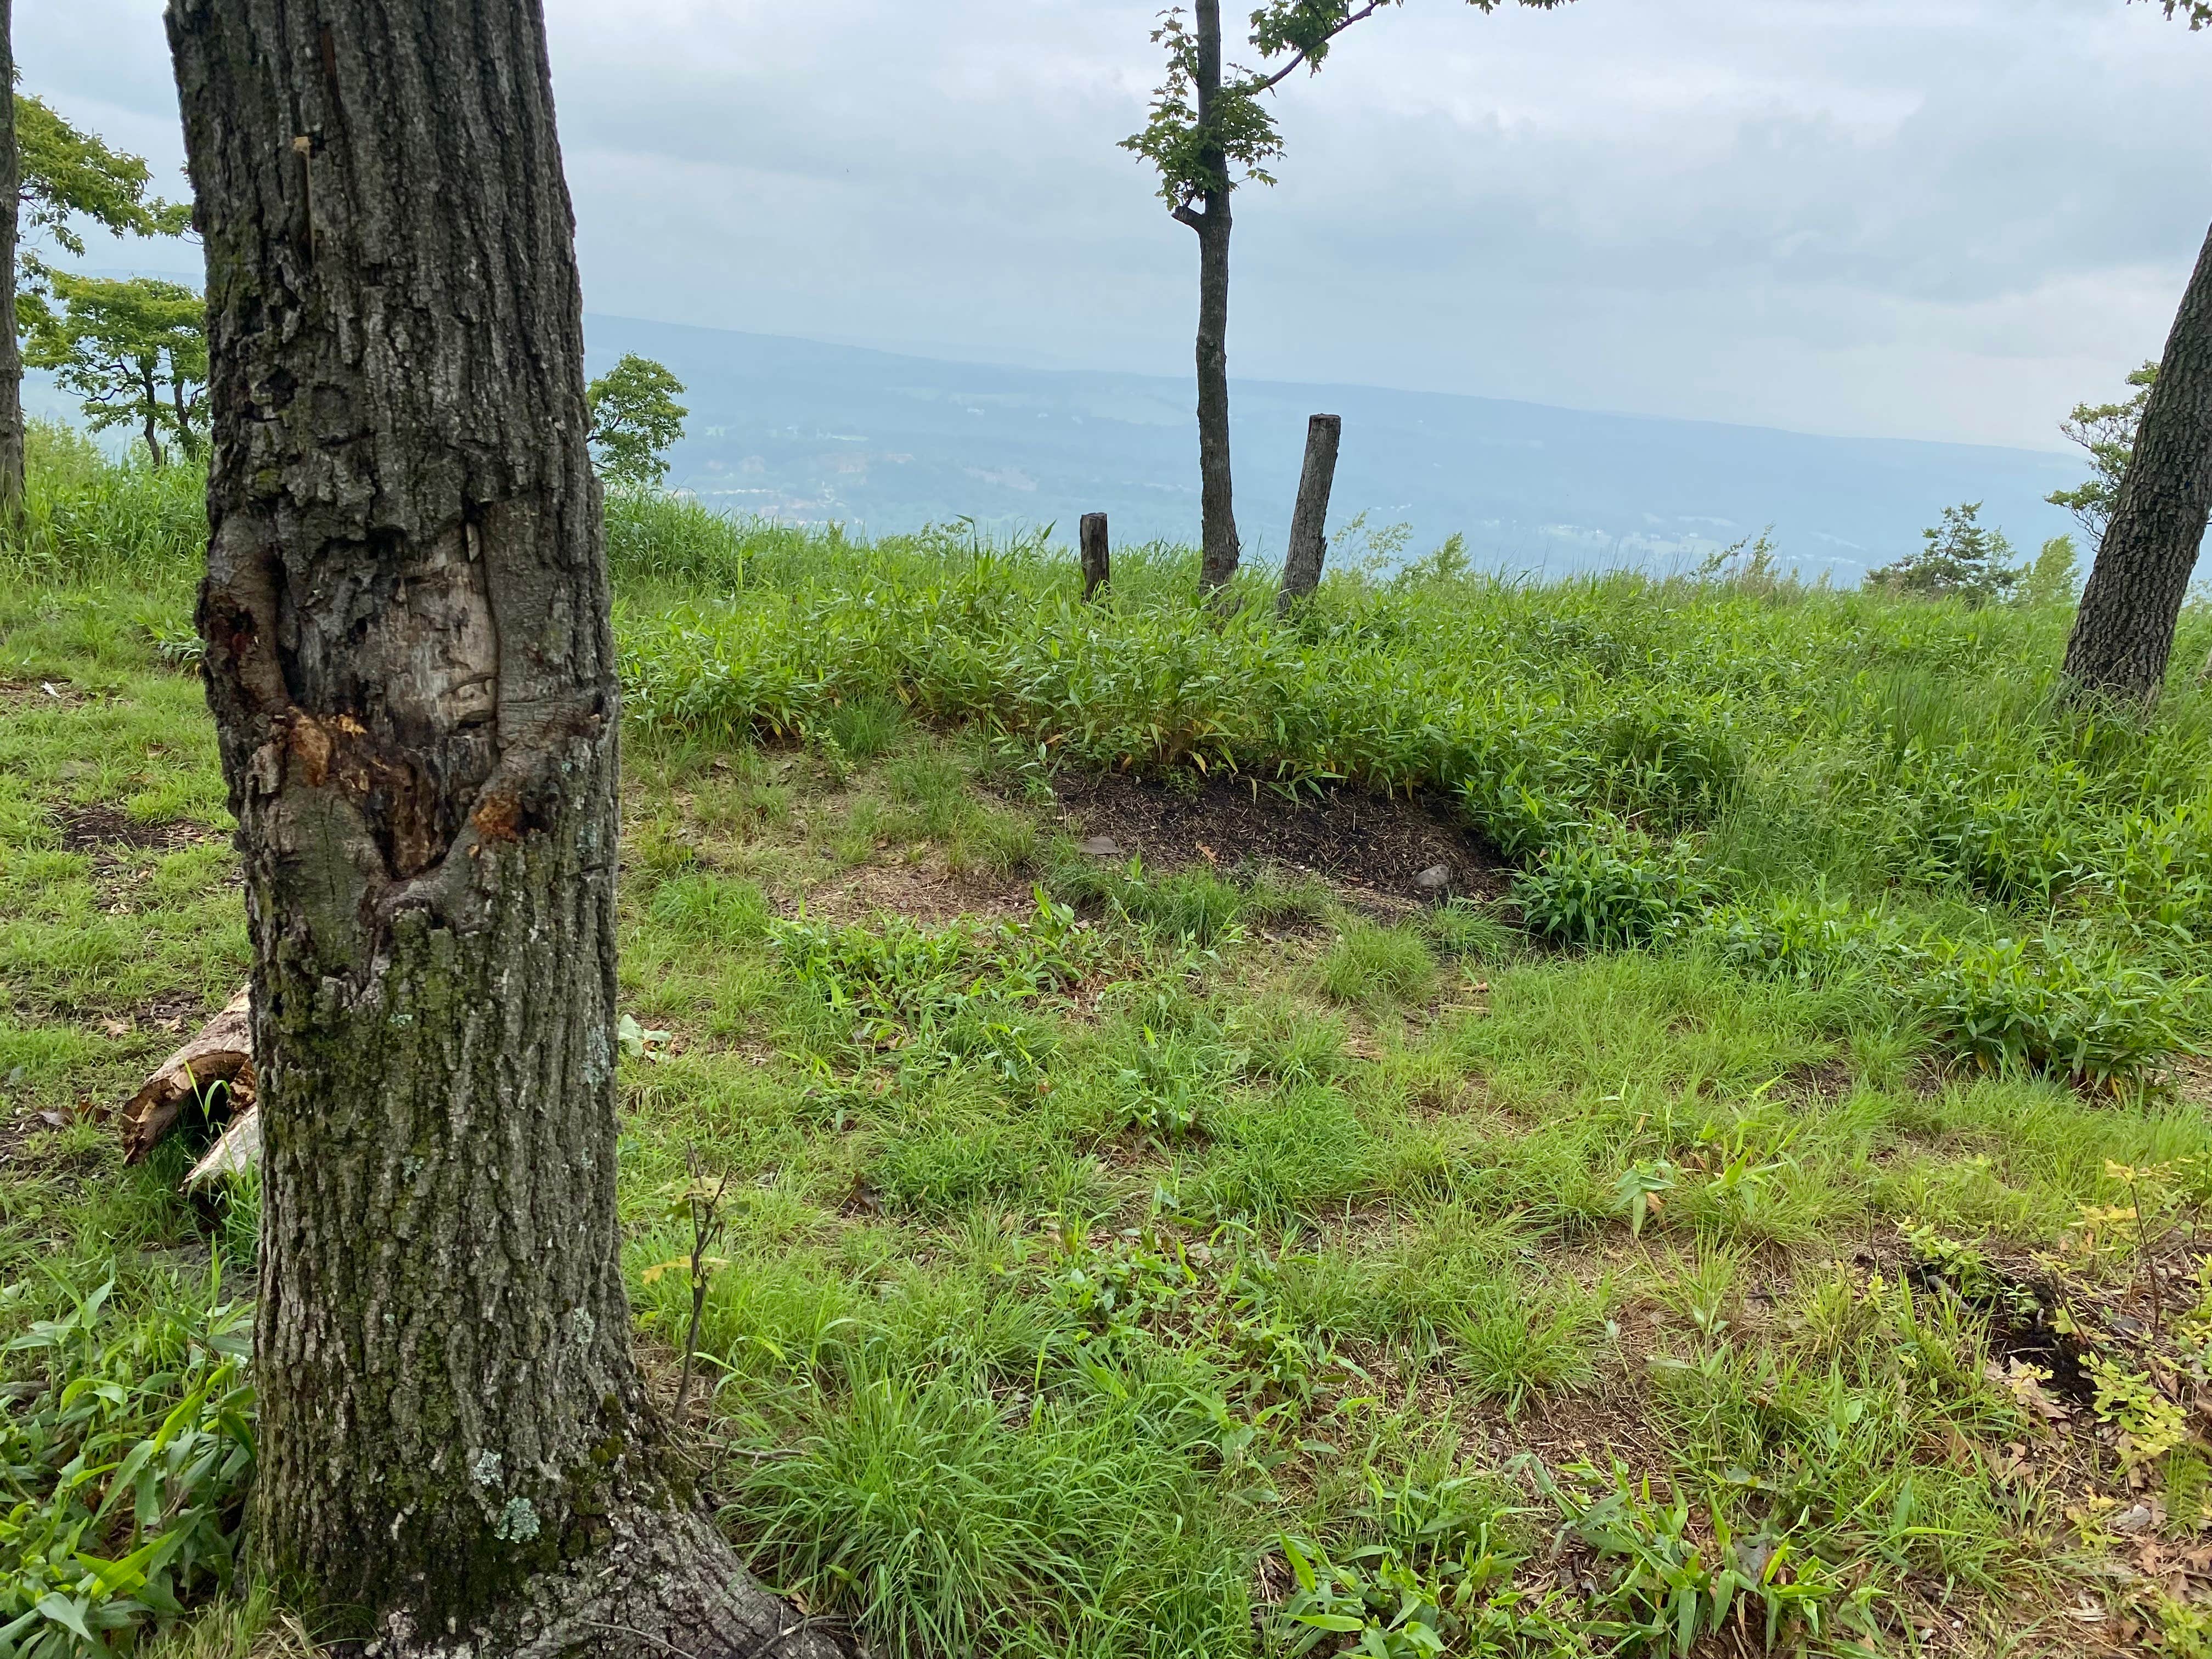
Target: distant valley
806 432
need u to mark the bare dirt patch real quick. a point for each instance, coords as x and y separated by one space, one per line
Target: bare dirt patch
928 892
109 838
96 827
41 694
1347 835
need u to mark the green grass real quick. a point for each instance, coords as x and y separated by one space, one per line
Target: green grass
1126 1261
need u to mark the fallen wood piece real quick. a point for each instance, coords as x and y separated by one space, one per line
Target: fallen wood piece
221 1051
237 1151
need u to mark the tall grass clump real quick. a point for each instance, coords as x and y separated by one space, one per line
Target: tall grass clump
1662 758
661 542
88 517
1667 763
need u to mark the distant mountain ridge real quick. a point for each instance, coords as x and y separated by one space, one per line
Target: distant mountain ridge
808 432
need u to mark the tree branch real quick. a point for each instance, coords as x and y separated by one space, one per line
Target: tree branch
1185 213
1283 74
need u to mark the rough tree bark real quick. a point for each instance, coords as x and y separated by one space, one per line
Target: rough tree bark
11 350
1097 554
2123 632
1211 222
1309 544
411 665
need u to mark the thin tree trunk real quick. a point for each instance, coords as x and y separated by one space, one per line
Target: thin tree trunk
2123 632
1217 505
150 394
411 668
187 440
1309 544
1097 554
11 350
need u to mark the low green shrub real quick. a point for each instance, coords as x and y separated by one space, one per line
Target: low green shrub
2052 1003
1613 886
1371 1601
1807 936
1173 1084
125 1454
1667 1581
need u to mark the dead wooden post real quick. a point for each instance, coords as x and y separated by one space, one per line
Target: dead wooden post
1097 562
1309 518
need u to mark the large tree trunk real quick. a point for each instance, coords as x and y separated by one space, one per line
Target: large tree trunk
11 350
411 668
1309 544
1217 505
2123 632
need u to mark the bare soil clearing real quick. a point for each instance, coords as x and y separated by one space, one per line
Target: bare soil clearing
1375 843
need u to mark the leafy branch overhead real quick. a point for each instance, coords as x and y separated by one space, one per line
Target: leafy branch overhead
1203 142
2107 431
70 177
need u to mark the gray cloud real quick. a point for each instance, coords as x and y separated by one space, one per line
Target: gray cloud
1936 218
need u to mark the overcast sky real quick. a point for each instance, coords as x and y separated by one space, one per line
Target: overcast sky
1915 218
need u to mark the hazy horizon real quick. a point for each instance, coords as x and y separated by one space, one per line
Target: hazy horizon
804 431
1946 220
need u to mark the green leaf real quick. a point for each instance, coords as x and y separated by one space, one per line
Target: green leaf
1333 1621
62 1611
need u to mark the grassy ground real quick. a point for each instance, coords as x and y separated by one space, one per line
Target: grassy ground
1715 1239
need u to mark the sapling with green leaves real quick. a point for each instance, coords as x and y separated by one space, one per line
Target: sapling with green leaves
1210 130
635 419
697 1202
135 351
1961 558
2054 576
